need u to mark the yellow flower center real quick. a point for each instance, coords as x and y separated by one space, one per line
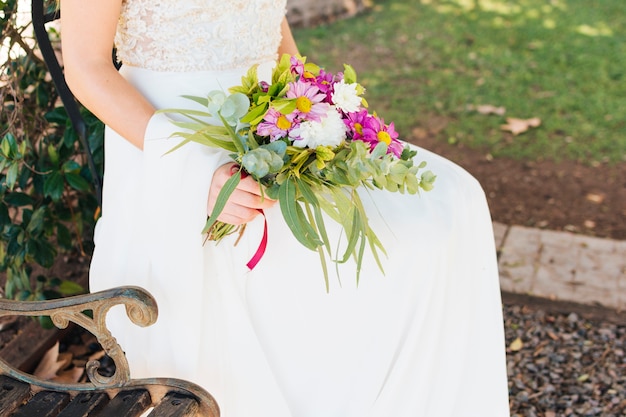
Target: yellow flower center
303 104
359 128
384 137
308 75
282 123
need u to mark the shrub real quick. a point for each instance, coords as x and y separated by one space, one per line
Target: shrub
48 205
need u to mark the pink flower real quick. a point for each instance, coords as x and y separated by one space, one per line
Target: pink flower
297 66
265 86
375 131
276 125
325 81
355 122
309 100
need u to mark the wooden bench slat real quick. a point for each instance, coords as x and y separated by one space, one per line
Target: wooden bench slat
85 404
44 404
175 405
12 394
130 403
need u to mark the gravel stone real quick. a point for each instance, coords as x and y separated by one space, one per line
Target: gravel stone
568 366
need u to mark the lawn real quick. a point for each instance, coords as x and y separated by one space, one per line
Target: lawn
430 65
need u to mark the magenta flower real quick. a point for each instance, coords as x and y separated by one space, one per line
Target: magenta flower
355 122
276 125
297 66
309 101
265 86
325 81
375 130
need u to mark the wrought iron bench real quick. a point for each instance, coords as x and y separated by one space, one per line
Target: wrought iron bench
24 395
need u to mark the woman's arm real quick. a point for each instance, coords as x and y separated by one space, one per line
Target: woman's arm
88 30
288 43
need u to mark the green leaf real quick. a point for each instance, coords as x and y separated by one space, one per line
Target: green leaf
12 173
310 197
18 199
64 237
43 252
349 74
36 222
57 116
71 166
5 146
222 198
203 101
255 115
4 218
53 186
354 233
70 288
46 322
77 182
427 180
285 105
294 217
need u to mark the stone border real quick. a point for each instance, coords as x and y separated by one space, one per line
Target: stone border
562 266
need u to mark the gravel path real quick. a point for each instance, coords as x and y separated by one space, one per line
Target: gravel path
561 364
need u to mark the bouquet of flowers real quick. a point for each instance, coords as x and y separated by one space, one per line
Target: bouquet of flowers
309 141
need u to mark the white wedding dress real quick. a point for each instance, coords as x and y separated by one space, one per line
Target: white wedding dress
424 340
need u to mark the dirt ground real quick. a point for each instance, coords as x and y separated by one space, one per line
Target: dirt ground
564 195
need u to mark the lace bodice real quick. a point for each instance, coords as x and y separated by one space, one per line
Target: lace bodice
194 35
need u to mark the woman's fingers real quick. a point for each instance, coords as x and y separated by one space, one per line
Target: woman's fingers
244 203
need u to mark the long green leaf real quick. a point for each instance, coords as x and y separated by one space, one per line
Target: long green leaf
291 211
189 113
318 219
354 234
255 115
222 198
234 136
373 241
203 101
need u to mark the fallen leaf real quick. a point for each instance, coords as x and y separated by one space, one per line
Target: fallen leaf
488 109
597 198
51 363
589 224
518 126
516 345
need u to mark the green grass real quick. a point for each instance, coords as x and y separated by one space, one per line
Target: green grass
425 63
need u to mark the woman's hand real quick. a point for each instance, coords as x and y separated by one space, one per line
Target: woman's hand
244 203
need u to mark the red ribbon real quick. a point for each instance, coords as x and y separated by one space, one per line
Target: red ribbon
263 245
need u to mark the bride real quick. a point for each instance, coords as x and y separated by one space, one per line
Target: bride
424 339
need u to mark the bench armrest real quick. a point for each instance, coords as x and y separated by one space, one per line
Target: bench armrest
141 308
89 311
